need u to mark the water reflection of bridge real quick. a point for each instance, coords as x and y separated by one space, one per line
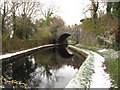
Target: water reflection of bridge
46 60
59 57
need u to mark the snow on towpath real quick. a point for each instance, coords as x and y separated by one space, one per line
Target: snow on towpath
24 51
100 79
91 73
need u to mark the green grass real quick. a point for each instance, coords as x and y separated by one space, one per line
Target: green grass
92 48
112 69
100 25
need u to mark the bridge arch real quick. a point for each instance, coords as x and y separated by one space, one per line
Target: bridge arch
62 35
63 38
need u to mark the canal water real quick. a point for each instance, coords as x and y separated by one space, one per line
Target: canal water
48 68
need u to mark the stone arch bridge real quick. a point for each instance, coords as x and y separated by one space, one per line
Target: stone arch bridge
62 35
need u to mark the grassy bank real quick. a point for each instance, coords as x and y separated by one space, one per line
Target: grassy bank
13 45
112 69
103 26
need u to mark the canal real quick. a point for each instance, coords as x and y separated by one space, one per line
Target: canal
48 68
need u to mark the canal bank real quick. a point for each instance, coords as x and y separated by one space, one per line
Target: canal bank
7 58
91 74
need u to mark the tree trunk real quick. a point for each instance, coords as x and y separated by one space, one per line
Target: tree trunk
3 19
14 18
109 7
117 34
95 8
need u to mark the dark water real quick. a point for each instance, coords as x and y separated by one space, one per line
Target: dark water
48 68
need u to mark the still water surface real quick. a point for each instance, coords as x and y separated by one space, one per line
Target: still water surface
48 68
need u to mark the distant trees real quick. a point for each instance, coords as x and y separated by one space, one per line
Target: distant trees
24 27
8 11
104 20
47 27
113 8
11 11
20 18
95 6
26 21
47 17
109 7
116 9
116 12
56 24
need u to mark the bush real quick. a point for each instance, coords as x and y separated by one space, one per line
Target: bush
43 34
115 46
101 41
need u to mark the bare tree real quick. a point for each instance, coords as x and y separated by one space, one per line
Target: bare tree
31 9
93 8
10 10
7 9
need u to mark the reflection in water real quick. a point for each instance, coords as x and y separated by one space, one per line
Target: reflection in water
48 68
19 71
64 52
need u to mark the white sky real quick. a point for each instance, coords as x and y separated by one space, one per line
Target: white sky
71 11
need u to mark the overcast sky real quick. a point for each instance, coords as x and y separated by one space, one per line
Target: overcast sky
71 11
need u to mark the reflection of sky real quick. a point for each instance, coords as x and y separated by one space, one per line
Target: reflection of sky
59 78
